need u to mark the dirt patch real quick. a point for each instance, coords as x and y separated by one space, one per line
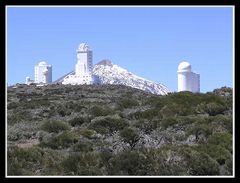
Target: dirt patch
29 143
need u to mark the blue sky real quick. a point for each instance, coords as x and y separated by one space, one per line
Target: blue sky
148 41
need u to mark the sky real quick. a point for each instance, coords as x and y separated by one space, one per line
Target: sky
147 41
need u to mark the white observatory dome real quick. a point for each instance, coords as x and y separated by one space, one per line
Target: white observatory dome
42 63
83 47
184 66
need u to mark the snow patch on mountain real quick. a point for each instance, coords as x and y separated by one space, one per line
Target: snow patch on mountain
105 72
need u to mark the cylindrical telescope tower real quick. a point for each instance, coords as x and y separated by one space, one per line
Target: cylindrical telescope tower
184 77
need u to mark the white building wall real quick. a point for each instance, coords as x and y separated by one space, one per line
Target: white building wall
195 83
41 76
78 80
49 74
184 81
188 80
82 63
83 68
28 81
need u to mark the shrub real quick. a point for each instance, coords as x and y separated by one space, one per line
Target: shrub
61 141
23 161
74 106
225 121
202 164
165 161
147 114
62 111
108 124
100 111
79 120
147 125
87 133
228 167
222 139
130 135
82 164
124 103
19 116
12 105
217 152
198 163
200 129
211 108
83 146
55 126
128 163
51 161
166 122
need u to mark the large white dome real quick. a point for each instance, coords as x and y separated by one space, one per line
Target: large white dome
83 47
184 66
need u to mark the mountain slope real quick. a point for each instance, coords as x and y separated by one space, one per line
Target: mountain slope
105 72
108 73
117 130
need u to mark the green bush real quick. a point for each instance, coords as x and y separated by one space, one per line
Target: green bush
130 135
147 125
51 161
63 140
164 161
108 124
210 108
62 111
55 126
124 103
79 120
202 164
147 114
83 146
19 116
82 164
198 162
87 133
166 122
200 129
217 152
128 163
225 121
12 105
100 111
23 161
222 139
76 107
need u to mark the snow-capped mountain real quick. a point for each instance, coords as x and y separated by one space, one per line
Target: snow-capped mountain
105 72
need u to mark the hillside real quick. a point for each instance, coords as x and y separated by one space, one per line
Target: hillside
117 130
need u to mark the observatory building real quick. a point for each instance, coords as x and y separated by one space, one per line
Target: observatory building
28 81
187 80
83 68
43 73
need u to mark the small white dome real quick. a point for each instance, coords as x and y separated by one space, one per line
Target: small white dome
83 47
184 66
42 63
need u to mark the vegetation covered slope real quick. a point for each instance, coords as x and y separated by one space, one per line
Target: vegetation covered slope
117 130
